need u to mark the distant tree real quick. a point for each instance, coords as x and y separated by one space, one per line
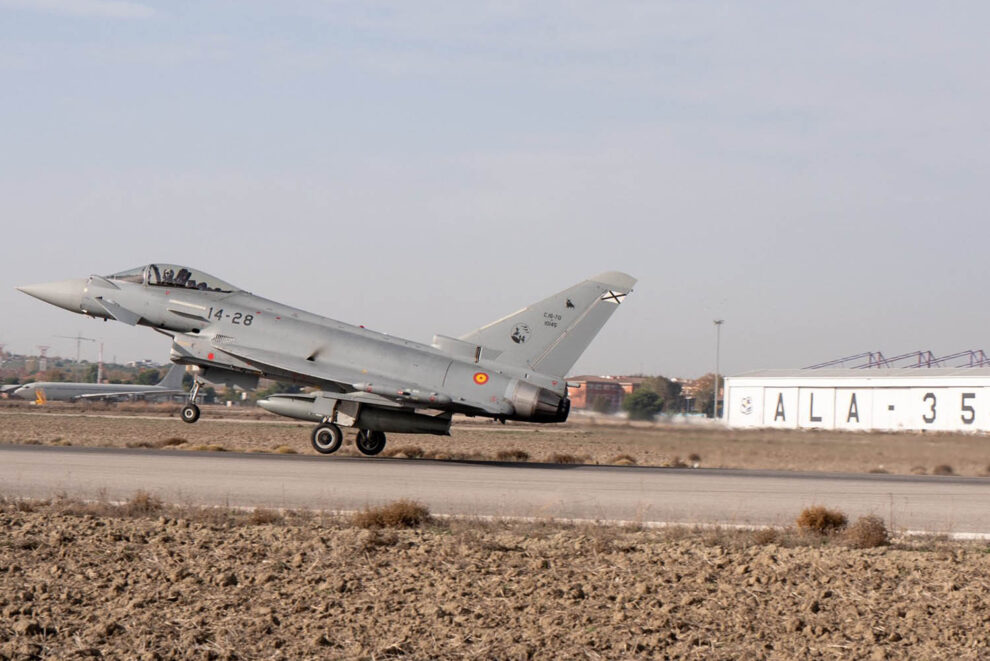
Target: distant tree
704 393
11 381
276 388
52 375
91 372
642 404
669 391
148 377
602 405
209 395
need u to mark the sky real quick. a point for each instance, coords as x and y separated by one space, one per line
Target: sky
815 174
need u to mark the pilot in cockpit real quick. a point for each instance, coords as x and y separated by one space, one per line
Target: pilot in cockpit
182 277
168 277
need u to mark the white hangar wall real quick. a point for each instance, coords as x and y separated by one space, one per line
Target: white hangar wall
864 400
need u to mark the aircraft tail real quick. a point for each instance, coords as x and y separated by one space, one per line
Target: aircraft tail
173 378
551 335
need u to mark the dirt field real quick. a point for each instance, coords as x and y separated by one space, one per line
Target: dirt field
141 581
603 442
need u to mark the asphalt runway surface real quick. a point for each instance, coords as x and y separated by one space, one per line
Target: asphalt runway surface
952 505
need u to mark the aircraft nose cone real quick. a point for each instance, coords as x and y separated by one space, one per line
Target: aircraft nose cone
64 293
23 393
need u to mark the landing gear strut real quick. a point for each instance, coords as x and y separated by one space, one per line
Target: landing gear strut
327 438
190 412
370 442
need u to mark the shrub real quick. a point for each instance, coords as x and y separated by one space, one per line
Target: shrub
398 514
943 469
171 441
207 448
623 460
868 532
514 454
561 458
261 516
642 404
284 449
406 452
765 536
143 503
821 520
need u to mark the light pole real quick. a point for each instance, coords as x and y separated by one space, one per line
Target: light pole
718 338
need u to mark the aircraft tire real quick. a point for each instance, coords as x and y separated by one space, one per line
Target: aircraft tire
327 438
370 442
189 413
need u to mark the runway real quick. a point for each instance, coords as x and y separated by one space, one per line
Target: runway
954 505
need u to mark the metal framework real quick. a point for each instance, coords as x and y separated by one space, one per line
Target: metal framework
914 359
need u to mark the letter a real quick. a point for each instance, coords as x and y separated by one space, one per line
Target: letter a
779 415
853 410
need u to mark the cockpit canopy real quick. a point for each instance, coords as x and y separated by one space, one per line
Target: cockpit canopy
173 275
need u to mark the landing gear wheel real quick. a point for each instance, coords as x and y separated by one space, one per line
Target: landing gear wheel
189 413
327 438
370 442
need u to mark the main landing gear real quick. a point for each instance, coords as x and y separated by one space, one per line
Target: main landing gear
328 437
370 442
190 412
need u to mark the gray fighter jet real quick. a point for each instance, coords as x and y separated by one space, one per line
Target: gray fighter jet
64 391
511 369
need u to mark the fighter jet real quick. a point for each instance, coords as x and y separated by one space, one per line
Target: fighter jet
511 369
44 391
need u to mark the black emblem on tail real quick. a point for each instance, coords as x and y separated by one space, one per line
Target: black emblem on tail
520 333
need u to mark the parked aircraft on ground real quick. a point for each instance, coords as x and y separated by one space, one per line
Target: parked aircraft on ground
62 391
511 369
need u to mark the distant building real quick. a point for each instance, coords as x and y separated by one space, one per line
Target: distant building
601 393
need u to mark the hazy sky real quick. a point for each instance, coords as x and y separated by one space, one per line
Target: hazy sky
815 174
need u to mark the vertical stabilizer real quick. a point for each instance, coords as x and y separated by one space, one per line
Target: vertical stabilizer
549 336
173 378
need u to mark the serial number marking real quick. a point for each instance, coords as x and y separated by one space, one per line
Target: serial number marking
237 318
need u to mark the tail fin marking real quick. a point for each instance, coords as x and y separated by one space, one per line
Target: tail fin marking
549 336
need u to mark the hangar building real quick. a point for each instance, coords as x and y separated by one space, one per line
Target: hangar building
937 399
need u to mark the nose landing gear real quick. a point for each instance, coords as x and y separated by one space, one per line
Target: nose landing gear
190 412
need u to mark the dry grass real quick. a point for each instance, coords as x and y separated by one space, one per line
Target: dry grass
868 532
207 448
405 452
765 536
142 504
263 516
398 514
820 520
943 469
622 460
186 585
512 454
284 449
566 458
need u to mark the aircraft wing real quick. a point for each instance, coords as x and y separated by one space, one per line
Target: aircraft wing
126 393
342 377
359 397
350 384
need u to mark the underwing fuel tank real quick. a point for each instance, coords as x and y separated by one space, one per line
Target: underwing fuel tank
353 415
